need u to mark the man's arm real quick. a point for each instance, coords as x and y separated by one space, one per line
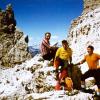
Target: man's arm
70 60
98 56
99 59
55 44
46 44
81 62
57 53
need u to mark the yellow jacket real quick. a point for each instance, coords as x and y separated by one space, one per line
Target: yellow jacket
64 54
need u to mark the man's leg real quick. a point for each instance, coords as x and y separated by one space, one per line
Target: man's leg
58 64
89 73
97 79
53 52
47 57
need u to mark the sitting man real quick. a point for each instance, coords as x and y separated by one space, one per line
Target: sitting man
63 58
92 60
48 52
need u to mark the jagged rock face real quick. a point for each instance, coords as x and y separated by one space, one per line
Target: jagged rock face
90 5
13 49
13 46
84 31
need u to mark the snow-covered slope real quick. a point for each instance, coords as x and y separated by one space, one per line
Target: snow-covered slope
33 80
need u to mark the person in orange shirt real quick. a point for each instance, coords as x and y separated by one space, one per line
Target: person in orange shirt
92 60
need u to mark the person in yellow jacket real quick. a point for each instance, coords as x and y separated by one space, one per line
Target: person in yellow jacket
63 58
64 54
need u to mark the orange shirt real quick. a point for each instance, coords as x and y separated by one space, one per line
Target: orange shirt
92 60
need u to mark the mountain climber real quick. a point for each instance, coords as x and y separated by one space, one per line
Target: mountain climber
62 60
92 60
48 52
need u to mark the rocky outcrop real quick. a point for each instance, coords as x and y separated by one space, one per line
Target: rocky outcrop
90 5
13 44
85 30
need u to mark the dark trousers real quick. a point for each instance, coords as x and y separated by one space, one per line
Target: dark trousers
92 73
51 54
48 56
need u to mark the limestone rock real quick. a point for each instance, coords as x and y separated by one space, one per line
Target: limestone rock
13 44
85 30
90 5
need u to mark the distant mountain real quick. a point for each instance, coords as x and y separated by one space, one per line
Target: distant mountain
33 51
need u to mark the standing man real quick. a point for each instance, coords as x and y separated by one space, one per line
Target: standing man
92 60
47 51
62 59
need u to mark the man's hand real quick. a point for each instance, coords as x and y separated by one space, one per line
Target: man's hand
98 67
76 65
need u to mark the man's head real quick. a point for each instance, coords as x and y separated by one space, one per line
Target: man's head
90 49
65 44
47 35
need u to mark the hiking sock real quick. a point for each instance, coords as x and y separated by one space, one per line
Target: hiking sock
97 93
83 86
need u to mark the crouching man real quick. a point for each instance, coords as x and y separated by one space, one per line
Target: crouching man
92 60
